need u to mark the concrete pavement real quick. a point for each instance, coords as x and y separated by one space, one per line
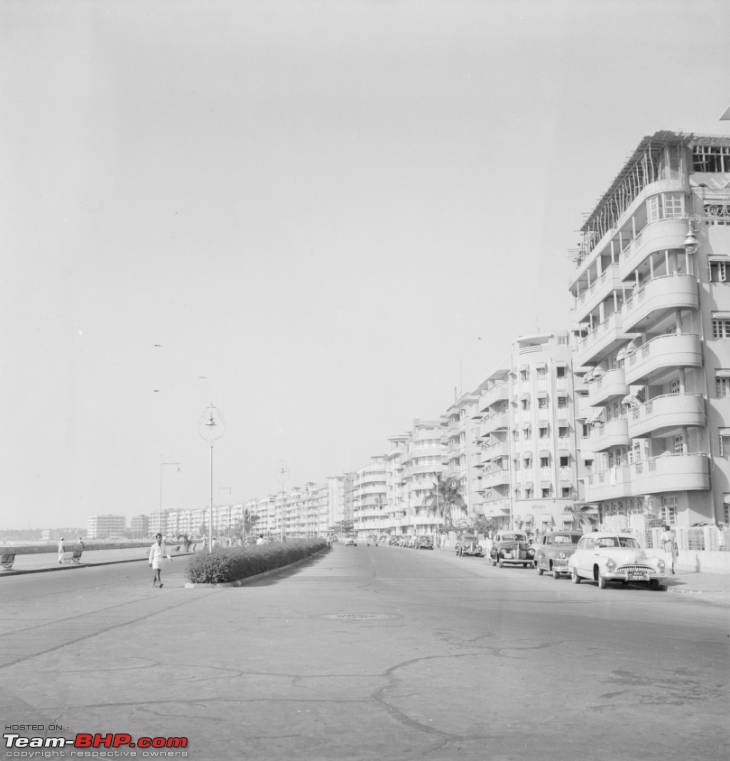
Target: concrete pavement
367 654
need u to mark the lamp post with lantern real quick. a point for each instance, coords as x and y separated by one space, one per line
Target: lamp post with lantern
211 429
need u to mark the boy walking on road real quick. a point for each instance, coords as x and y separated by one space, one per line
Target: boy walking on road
158 551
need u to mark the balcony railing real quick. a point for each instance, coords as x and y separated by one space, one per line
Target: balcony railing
613 433
674 350
666 473
594 345
659 294
666 411
607 386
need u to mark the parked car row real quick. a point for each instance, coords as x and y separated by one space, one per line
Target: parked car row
421 542
512 548
468 544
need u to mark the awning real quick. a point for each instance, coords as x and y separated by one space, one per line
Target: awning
597 416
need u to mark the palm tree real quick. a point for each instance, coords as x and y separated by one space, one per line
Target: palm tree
445 499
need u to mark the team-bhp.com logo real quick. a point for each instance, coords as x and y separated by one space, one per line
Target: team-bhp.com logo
87 745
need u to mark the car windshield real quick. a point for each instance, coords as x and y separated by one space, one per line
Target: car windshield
565 539
615 541
513 537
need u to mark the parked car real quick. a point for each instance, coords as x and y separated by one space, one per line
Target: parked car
605 556
425 543
468 544
511 547
553 550
394 541
350 541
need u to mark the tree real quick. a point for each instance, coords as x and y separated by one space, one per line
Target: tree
584 516
483 525
445 499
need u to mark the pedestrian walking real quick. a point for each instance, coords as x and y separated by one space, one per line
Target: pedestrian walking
669 545
61 551
158 551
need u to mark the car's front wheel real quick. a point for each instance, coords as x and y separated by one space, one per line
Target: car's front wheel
556 575
601 581
574 576
500 563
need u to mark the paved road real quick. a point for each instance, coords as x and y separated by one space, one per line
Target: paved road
370 653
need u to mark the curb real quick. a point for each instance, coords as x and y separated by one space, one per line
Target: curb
263 574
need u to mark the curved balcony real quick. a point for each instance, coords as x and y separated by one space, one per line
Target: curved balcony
665 412
608 484
599 289
681 472
500 449
613 433
496 422
371 489
498 393
661 353
608 386
497 477
600 341
659 295
656 236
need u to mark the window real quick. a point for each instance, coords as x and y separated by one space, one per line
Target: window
546 492
517 493
544 462
711 158
564 461
588 464
722 383
528 462
528 492
718 271
566 491
672 204
525 403
669 508
560 371
524 374
585 430
541 371
526 432
674 387
563 431
720 327
516 464
678 445
543 432
562 402
542 403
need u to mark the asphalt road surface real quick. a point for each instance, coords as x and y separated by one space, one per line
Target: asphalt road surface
369 653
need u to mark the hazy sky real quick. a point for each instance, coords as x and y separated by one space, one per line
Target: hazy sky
329 214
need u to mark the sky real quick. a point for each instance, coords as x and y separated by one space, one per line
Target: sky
322 216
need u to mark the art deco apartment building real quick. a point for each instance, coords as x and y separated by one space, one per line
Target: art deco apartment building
422 463
530 460
462 450
651 293
370 512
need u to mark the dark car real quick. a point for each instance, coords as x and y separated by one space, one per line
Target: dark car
468 544
553 551
511 548
425 543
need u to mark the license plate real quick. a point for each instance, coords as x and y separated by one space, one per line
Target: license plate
637 577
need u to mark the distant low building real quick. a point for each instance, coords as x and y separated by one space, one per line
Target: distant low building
104 526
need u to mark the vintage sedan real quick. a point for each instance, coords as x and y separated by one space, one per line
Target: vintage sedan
511 548
553 550
468 544
605 556
425 542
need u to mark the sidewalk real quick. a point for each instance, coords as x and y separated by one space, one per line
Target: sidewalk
707 587
48 561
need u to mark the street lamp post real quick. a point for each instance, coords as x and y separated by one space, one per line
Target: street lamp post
211 429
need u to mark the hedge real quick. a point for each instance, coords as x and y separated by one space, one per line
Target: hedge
225 564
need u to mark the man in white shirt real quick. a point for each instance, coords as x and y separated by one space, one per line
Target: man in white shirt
158 551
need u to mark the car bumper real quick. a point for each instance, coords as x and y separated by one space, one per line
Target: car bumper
624 574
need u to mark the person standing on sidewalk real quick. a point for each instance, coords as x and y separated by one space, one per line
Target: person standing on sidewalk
669 545
158 551
61 551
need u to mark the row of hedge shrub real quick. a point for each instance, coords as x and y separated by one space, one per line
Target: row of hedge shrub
226 564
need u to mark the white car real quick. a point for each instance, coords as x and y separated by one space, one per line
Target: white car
605 556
